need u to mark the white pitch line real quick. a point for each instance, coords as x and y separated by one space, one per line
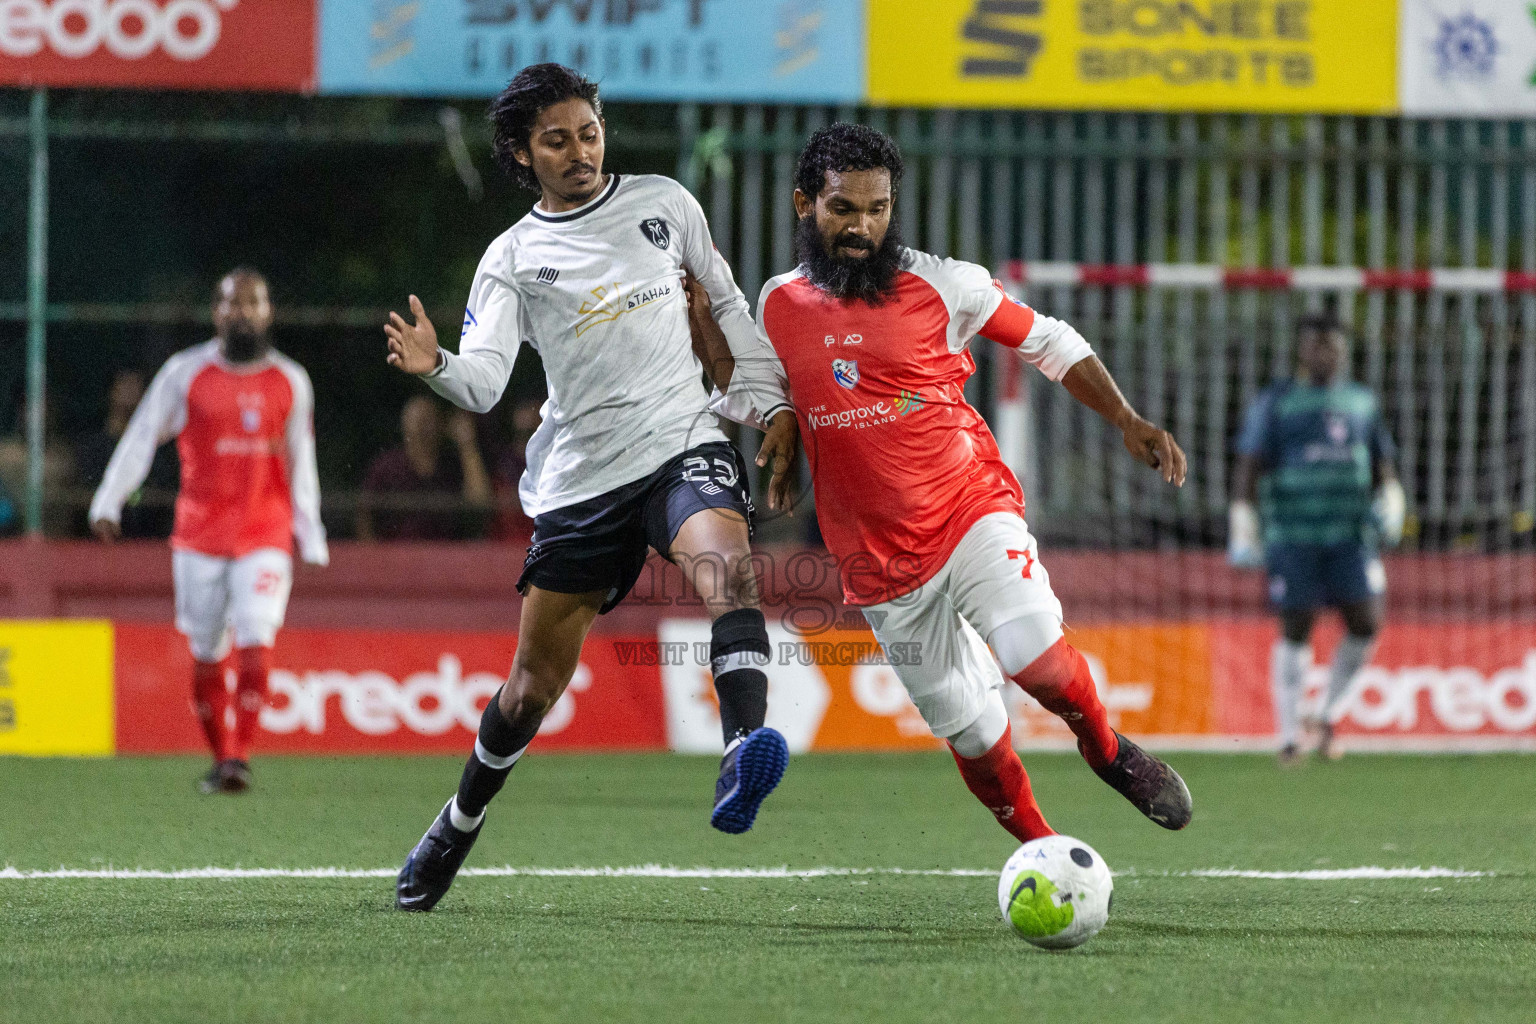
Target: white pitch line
9 873
1339 874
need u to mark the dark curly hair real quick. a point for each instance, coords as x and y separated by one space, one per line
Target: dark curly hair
1323 322
513 113
846 147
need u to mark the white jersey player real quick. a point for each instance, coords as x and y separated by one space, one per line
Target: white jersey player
627 457
925 520
242 415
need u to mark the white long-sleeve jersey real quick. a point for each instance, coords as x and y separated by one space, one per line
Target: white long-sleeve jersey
597 292
245 433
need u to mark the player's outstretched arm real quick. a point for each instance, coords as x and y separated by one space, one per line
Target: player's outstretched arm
1243 547
709 343
158 418
1089 382
778 450
412 346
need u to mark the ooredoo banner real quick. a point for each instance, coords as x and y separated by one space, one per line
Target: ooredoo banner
159 44
361 692
96 687
1432 686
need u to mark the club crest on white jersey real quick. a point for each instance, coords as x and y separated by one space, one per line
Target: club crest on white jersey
655 229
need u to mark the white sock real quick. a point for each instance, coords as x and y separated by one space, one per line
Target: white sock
1287 660
982 735
1352 654
461 821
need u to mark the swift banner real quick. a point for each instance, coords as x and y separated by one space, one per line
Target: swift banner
1468 58
159 44
712 50
1320 56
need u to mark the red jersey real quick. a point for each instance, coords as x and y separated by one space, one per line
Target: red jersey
901 463
245 435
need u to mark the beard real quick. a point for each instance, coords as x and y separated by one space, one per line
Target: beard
870 278
242 344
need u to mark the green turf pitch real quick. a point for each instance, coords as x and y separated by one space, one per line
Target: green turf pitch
888 948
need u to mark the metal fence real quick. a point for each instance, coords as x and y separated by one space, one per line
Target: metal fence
1453 356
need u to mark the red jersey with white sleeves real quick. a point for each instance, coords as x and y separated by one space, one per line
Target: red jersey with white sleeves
901 463
245 435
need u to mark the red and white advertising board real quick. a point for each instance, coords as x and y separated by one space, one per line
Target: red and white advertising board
1173 684
159 44
362 692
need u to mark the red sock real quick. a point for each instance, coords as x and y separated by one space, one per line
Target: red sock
1059 679
999 781
210 699
250 697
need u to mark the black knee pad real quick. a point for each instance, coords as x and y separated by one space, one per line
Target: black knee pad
744 629
496 733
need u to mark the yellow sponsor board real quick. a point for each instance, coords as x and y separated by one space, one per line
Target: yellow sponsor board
1329 56
56 687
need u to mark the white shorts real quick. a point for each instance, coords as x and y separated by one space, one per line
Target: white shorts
217 597
933 636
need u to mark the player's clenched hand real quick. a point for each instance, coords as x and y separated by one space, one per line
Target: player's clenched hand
698 296
779 448
106 529
1157 448
412 347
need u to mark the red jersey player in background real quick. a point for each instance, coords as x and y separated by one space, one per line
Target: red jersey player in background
913 498
242 415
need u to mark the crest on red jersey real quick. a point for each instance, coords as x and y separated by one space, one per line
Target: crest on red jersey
250 411
846 372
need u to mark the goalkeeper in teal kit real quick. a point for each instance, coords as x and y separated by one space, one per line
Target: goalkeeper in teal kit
1317 457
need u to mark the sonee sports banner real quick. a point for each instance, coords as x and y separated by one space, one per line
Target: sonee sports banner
1261 55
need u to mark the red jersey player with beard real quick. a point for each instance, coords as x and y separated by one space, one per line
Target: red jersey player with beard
242 415
913 498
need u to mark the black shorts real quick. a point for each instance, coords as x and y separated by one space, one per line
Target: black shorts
601 543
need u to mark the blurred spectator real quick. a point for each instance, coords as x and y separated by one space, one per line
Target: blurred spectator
420 492
10 516
58 470
511 524
150 509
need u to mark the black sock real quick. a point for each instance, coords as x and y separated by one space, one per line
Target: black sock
502 744
738 647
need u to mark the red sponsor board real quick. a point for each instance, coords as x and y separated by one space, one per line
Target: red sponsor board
159 44
1426 682
1203 683
364 692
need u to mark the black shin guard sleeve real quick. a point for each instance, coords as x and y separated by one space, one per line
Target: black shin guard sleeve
738 649
500 739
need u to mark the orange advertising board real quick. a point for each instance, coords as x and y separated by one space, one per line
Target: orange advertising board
1154 679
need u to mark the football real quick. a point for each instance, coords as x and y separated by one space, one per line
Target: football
1055 892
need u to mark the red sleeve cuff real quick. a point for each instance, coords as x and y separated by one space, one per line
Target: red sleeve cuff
1010 324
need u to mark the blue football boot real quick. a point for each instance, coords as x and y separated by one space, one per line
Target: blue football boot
748 773
430 868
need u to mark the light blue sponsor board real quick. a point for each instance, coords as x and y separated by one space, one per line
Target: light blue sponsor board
743 50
